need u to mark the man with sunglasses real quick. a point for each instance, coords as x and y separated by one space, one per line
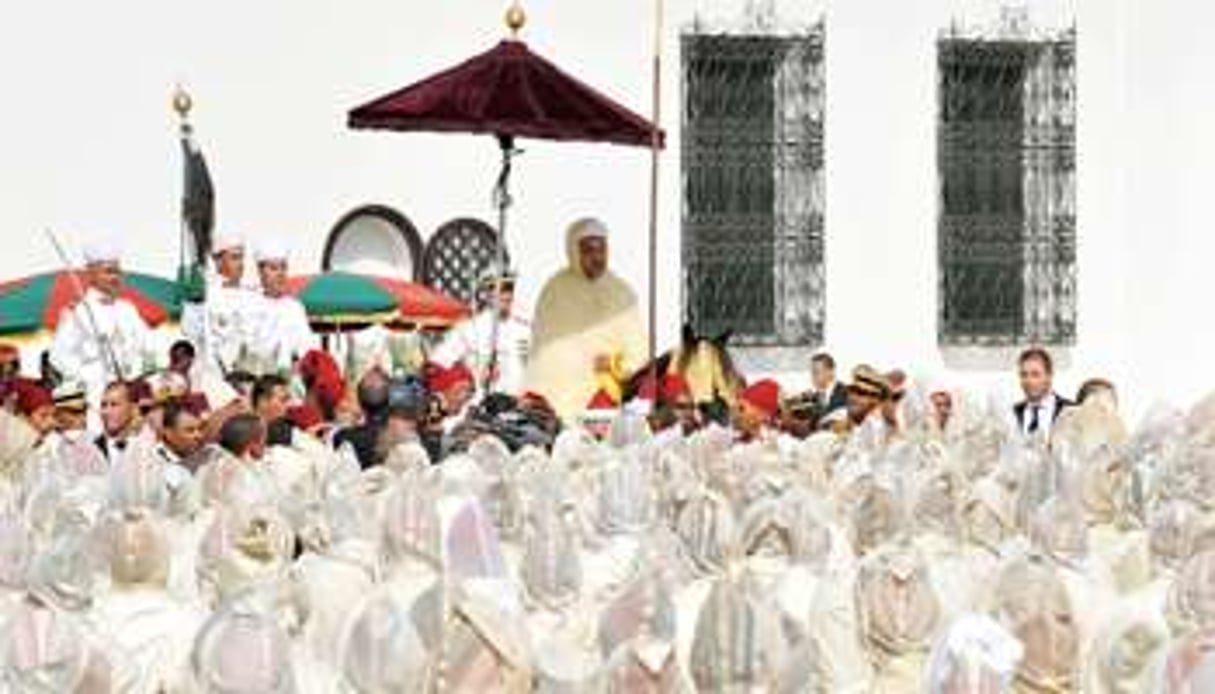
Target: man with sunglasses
500 365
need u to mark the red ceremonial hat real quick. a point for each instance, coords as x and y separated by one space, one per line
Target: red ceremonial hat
197 404
441 379
673 386
141 392
764 396
601 401
305 417
32 396
318 365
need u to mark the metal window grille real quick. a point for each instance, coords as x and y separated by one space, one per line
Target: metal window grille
458 255
1006 160
752 155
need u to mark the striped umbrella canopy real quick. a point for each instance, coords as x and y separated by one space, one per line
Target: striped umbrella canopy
32 305
345 300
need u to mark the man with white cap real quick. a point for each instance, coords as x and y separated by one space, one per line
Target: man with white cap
472 342
282 333
223 328
101 338
587 328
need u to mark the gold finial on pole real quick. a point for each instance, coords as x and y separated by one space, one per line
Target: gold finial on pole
515 19
182 102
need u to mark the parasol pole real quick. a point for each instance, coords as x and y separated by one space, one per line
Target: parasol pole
515 20
502 200
656 96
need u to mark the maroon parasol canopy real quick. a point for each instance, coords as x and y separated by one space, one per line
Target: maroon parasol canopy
507 91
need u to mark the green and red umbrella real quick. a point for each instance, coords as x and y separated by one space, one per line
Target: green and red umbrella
338 300
32 305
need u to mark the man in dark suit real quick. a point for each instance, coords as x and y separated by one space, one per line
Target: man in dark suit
817 408
829 394
1036 414
119 419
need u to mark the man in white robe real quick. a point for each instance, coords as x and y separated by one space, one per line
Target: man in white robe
501 366
587 333
102 338
222 328
282 333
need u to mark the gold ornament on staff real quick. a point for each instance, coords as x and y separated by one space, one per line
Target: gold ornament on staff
516 18
182 102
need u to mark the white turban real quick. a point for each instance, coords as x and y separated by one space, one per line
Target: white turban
270 250
227 241
102 250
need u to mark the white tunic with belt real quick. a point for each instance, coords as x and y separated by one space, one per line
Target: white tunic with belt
224 326
77 350
471 342
282 332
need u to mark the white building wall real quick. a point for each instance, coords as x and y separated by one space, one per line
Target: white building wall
88 146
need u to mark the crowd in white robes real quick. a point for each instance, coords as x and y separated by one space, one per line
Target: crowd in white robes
969 559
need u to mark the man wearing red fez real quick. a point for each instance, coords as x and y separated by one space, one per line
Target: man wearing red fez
674 410
323 380
450 391
758 407
36 405
601 409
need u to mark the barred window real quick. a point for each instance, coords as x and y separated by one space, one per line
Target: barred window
752 155
1006 159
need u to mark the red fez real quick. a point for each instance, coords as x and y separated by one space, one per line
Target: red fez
305 417
140 392
601 401
32 396
322 377
764 396
196 403
440 379
318 366
673 386
530 399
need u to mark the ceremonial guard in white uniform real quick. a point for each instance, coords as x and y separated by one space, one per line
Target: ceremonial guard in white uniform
222 328
282 333
101 338
472 342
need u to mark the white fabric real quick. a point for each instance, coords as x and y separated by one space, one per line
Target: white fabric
77 352
471 342
224 326
102 250
281 332
153 635
270 249
227 241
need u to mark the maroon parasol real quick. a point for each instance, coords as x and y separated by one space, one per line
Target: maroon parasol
507 91
510 91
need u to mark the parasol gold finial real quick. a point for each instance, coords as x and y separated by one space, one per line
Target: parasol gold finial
515 19
182 102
